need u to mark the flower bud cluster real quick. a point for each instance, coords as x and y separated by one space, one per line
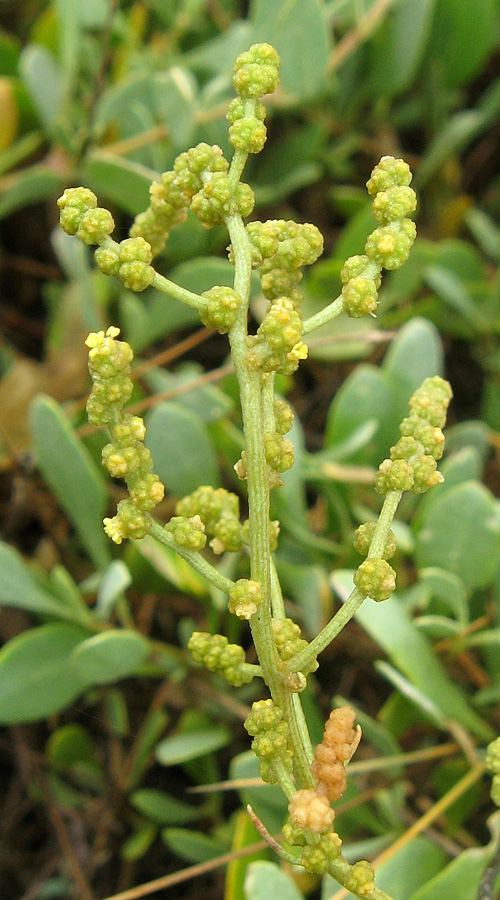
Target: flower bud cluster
247 131
256 71
493 766
283 415
413 462
188 533
216 653
130 259
361 879
167 208
288 640
280 249
269 730
80 215
278 345
245 598
388 247
222 308
219 511
126 456
310 810
375 578
319 851
340 740
363 537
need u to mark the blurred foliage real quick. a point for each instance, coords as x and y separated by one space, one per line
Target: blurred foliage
107 94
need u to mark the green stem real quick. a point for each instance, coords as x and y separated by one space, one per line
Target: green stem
324 315
195 559
356 598
177 292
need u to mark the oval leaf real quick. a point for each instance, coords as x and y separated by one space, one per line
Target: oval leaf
183 453
109 656
183 747
36 679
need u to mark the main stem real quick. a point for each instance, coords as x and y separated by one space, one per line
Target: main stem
250 385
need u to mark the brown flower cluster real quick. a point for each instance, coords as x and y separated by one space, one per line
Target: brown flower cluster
340 740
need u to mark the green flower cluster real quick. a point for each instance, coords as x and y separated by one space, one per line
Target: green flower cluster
130 259
278 345
363 537
319 851
216 653
188 533
167 208
256 71
126 456
247 131
413 462
375 578
283 415
493 766
219 511
269 730
222 308
287 636
245 598
388 247
361 879
279 250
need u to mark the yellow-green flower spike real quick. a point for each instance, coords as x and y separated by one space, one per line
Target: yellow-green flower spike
361 879
270 738
187 533
222 308
317 857
74 203
211 504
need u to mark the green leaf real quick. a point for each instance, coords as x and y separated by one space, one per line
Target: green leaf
414 355
265 879
460 878
30 186
70 472
174 95
391 627
172 567
184 455
19 589
448 590
43 80
115 580
68 745
194 846
182 748
452 291
120 181
70 42
139 842
463 34
364 397
460 533
109 656
397 47
36 678
162 808
284 23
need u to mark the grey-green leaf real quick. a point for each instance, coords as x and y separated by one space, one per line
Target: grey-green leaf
19 589
70 472
183 452
182 748
109 656
36 678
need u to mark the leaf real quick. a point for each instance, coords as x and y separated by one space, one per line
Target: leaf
460 533
460 878
139 842
19 589
267 800
364 397
70 472
162 808
283 24
390 626
115 580
452 291
414 355
9 113
265 879
109 656
43 80
120 180
194 846
245 834
184 455
397 47
70 42
448 590
182 748
174 95
29 186
68 745
463 34
36 679
172 567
